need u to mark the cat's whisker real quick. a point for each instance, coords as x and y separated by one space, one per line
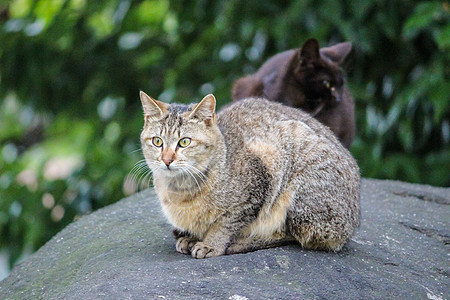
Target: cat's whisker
146 172
184 172
184 177
138 176
138 169
200 168
138 164
134 151
154 163
196 181
201 176
198 171
143 181
138 148
139 179
187 167
134 172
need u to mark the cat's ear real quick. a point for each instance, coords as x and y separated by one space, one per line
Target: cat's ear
309 52
205 110
337 53
153 109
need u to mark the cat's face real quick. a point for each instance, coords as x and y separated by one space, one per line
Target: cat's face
321 81
317 72
178 140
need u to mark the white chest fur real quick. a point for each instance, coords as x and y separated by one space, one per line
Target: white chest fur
193 215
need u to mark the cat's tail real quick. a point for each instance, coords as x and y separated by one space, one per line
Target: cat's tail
248 86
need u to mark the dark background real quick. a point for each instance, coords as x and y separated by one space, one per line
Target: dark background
70 73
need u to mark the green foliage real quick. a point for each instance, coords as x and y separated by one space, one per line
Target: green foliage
70 72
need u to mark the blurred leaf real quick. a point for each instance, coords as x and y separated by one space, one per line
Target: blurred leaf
20 8
424 14
101 23
443 38
402 166
151 11
406 135
440 96
77 4
48 9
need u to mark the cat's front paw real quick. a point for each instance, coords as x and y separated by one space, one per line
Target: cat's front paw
202 250
185 244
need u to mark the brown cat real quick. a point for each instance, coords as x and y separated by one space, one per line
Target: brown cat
256 175
308 78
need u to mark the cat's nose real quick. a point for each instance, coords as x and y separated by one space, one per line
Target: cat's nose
168 157
335 94
167 161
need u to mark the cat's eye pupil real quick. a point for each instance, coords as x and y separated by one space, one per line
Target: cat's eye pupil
157 141
327 84
184 142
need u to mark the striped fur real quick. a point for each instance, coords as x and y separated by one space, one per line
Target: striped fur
258 175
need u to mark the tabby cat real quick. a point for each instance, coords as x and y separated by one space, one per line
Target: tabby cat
256 175
308 78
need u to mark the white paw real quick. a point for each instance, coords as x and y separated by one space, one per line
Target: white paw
185 244
202 250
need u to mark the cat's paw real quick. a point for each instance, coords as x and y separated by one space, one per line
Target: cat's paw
202 250
185 244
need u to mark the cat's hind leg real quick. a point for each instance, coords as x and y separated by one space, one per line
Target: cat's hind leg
316 236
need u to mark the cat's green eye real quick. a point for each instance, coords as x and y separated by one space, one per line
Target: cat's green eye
157 141
327 84
184 142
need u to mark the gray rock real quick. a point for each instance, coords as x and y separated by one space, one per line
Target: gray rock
126 251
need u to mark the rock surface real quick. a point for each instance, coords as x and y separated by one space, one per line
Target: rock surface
126 251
